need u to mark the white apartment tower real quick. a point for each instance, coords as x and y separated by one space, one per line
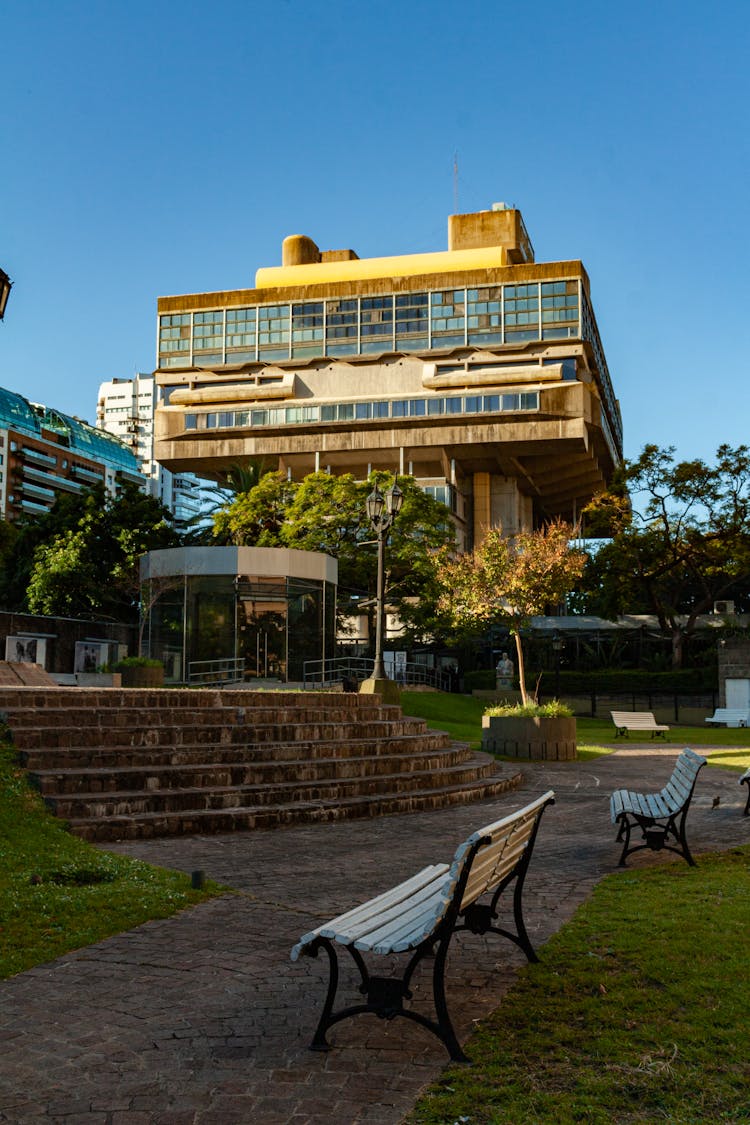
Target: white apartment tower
125 408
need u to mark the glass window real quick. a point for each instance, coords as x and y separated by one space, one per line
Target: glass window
521 305
453 405
492 402
363 411
307 329
483 313
448 318
412 319
435 406
376 324
342 327
191 421
380 409
417 407
473 404
399 409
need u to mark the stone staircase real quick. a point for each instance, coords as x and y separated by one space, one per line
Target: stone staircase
124 763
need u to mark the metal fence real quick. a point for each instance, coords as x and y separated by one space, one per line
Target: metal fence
349 671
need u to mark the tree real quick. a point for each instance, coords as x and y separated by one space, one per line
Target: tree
510 580
88 566
327 513
254 518
239 478
681 543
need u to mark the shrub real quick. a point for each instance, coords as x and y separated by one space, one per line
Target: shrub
552 710
136 662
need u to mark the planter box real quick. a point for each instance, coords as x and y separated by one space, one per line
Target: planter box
142 677
540 739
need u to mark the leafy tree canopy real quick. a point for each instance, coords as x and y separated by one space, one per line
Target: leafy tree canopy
510 579
680 540
81 558
327 513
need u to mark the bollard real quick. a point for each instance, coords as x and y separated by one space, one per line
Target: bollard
198 880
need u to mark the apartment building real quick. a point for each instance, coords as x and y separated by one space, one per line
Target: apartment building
476 369
44 452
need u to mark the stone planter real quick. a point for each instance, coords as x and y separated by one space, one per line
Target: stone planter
538 738
142 676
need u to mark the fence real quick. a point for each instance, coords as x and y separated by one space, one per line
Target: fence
668 707
351 670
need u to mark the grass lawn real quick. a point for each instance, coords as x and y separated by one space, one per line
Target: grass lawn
637 1012
58 893
461 717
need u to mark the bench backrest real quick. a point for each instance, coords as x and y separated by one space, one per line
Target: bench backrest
632 718
493 852
679 789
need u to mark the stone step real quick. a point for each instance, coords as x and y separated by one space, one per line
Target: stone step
78 805
114 718
45 760
249 818
78 737
128 698
211 775
121 763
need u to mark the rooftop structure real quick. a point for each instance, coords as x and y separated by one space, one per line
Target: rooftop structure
477 370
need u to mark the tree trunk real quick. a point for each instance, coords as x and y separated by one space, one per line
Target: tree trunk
521 670
677 647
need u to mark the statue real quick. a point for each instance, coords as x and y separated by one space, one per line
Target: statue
504 672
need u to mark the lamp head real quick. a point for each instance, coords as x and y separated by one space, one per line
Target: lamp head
375 503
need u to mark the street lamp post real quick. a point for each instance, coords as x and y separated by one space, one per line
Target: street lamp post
382 510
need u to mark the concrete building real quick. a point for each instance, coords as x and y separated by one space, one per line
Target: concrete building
125 408
44 453
477 370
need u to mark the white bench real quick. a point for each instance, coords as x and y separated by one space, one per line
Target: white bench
730 716
746 779
638 721
420 916
660 816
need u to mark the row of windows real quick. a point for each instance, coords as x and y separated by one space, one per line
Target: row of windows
401 322
366 411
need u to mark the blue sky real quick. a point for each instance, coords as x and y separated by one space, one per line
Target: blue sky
150 149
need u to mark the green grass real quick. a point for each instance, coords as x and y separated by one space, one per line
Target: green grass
637 1013
58 893
461 717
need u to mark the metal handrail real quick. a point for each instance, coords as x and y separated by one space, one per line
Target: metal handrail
227 670
354 669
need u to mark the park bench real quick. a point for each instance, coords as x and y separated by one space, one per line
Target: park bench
660 816
420 916
638 721
730 716
746 779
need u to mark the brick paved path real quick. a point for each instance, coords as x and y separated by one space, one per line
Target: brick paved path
202 1018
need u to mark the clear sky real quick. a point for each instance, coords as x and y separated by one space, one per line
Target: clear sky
151 148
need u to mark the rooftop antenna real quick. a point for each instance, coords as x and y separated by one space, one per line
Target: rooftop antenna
455 183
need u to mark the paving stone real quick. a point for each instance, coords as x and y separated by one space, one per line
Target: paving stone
202 1018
